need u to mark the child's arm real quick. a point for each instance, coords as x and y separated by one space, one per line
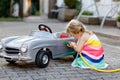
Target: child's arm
80 43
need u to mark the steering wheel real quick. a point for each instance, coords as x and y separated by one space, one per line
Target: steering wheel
43 27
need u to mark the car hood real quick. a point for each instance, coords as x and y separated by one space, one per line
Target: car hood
19 41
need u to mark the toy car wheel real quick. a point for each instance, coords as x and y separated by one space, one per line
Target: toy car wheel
11 61
45 28
42 59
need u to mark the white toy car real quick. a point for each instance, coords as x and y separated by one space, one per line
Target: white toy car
40 46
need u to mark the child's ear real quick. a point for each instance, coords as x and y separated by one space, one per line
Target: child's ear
82 29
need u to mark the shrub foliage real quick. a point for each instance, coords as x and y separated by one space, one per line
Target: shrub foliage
5 8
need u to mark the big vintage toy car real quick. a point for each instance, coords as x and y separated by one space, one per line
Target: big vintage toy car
39 47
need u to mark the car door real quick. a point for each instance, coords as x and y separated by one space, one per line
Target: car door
62 49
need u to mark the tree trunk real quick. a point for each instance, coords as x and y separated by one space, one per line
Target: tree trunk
21 9
11 7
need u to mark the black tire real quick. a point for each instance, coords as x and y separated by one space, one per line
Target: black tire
42 59
45 28
10 61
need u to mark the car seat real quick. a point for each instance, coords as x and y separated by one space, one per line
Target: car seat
63 35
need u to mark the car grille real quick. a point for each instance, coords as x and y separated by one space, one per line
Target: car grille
11 50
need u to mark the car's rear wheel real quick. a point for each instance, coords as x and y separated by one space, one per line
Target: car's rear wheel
42 59
10 61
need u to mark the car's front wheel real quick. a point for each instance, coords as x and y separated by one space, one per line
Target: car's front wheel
42 59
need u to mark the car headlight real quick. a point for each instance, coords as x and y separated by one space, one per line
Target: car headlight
24 48
1 46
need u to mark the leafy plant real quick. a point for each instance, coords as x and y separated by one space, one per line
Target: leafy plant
116 0
5 8
97 0
72 4
87 13
118 18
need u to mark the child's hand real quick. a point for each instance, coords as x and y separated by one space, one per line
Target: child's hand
67 43
70 44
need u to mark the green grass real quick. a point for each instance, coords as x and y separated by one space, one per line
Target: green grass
37 13
10 19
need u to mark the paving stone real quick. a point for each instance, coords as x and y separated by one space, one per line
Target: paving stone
59 69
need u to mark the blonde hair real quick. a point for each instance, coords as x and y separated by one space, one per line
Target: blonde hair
75 26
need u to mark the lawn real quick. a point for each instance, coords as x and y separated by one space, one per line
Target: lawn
10 19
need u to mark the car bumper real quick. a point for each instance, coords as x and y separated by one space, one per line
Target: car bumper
15 57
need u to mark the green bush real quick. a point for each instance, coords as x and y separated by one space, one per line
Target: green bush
118 18
87 13
72 4
5 8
